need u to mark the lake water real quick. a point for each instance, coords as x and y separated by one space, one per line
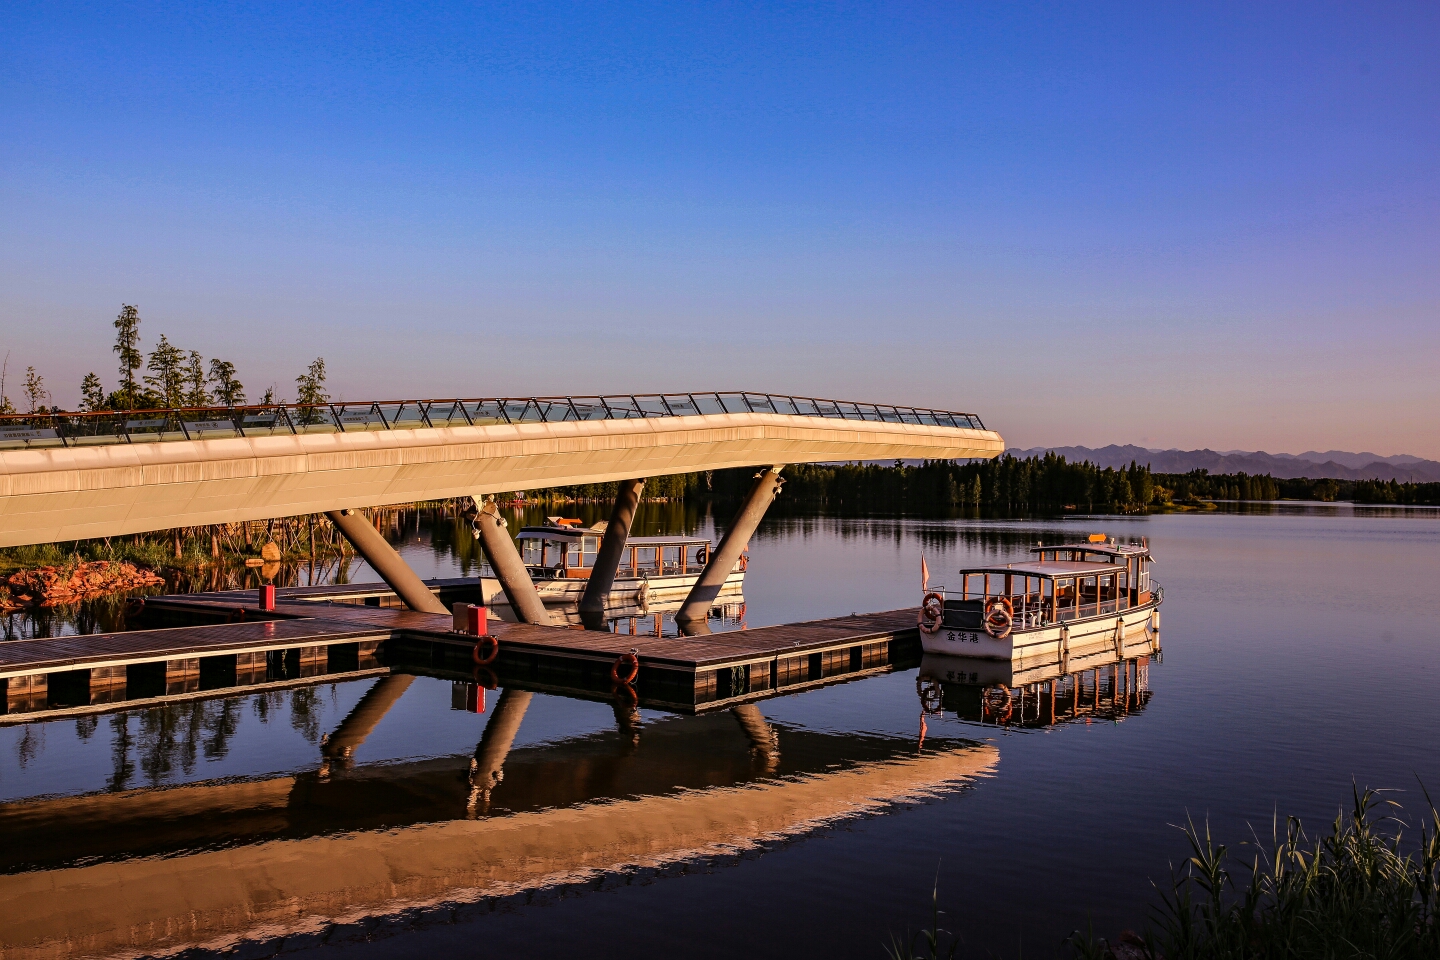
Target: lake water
1300 655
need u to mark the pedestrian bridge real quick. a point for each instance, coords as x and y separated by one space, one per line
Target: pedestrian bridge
76 476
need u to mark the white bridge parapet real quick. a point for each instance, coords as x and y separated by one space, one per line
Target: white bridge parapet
52 494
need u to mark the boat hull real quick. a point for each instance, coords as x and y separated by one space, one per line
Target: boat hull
1132 632
625 590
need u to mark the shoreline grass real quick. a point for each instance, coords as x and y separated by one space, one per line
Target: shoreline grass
1366 889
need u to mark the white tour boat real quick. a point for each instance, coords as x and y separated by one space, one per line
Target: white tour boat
560 555
1071 600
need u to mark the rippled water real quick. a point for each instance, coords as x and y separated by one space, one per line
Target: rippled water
1300 653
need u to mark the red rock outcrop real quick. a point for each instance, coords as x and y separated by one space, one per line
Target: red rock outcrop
47 586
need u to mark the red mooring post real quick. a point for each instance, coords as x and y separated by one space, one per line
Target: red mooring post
267 596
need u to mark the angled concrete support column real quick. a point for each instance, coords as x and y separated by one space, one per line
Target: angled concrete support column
385 561
487 768
607 559
764 745
692 615
509 568
361 721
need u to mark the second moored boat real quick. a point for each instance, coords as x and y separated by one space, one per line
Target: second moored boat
560 555
1070 598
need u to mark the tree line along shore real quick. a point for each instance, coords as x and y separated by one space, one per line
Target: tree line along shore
1038 484
1051 484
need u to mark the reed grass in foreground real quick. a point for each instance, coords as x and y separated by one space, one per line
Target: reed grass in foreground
1368 889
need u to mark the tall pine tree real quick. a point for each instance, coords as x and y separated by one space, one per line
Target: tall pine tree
127 348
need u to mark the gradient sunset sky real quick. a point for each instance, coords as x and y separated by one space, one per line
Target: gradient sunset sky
1175 226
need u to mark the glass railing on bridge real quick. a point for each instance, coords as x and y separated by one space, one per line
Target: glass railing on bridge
66 429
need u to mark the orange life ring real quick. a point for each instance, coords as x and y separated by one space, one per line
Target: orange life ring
991 705
134 606
625 668
744 562
999 617
485 659
625 694
485 677
932 612
932 695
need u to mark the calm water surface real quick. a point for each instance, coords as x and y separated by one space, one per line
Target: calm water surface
1300 653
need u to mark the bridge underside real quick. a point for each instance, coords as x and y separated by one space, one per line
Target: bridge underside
57 494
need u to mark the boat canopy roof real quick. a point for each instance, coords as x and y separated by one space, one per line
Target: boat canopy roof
1050 570
573 534
1124 550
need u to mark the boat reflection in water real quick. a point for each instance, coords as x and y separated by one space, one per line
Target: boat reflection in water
1108 684
289 859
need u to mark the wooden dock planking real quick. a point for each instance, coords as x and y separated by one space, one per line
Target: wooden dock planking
709 651
686 673
46 655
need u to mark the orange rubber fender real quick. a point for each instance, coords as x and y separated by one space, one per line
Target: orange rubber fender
486 650
625 668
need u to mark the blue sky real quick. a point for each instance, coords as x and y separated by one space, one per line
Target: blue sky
1172 225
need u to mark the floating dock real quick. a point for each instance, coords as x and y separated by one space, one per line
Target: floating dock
212 644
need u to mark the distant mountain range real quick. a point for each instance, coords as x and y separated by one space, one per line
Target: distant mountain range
1332 464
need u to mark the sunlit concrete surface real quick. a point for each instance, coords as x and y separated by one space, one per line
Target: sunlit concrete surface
67 493
277 888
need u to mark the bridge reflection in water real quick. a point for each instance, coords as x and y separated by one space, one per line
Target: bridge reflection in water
289 859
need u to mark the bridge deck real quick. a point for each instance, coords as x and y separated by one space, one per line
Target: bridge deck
684 673
100 476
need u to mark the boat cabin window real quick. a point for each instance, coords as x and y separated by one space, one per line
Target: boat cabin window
672 558
1090 596
589 547
645 560
536 552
